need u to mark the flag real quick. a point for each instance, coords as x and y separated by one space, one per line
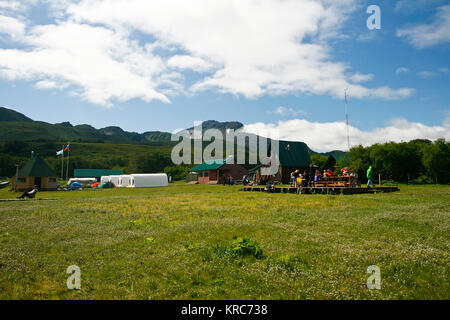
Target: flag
60 152
66 148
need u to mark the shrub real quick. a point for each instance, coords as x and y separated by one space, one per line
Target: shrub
286 261
422 180
245 247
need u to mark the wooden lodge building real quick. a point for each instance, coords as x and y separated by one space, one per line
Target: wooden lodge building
292 155
35 172
215 172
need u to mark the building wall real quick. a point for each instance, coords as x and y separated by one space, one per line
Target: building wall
283 175
204 176
47 183
234 170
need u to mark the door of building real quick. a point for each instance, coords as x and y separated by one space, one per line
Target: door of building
37 182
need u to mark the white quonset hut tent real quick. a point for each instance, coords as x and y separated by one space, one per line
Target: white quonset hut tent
147 180
105 179
124 181
115 180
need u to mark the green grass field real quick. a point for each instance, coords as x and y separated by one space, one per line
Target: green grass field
174 243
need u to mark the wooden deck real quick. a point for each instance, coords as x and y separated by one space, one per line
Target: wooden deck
324 190
15 199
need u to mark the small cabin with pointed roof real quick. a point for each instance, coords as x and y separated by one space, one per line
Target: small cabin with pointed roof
36 172
214 172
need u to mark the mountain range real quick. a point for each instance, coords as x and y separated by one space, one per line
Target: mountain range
15 126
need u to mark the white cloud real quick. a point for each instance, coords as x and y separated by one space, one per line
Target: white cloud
443 70
401 70
327 136
102 63
286 111
427 74
446 121
410 6
358 77
11 26
256 47
367 36
12 5
249 48
188 62
426 35
47 84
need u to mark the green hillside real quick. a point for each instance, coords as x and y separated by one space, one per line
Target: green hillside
152 157
154 136
221 126
15 126
11 115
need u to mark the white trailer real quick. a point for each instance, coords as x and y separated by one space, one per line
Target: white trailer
83 181
147 180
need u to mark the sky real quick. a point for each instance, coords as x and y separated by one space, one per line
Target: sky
278 66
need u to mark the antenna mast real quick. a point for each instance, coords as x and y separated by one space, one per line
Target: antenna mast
346 117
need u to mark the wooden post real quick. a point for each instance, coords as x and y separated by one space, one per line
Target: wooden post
379 179
17 177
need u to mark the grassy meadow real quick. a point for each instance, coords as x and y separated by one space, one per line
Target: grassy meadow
174 243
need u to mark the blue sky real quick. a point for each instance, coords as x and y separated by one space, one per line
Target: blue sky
279 66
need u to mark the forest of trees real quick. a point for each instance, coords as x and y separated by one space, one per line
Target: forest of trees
129 158
417 161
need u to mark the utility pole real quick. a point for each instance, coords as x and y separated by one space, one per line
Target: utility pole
346 118
17 177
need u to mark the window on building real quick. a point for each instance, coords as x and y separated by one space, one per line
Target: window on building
205 174
52 179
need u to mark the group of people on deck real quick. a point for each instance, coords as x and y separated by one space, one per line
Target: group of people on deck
309 176
312 175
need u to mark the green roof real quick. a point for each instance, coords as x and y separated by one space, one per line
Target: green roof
92 173
338 155
291 154
253 168
294 154
213 165
36 167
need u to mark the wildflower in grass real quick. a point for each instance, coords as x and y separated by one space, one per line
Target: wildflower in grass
138 222
188 247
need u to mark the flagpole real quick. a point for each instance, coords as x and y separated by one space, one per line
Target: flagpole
62 164
68 156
